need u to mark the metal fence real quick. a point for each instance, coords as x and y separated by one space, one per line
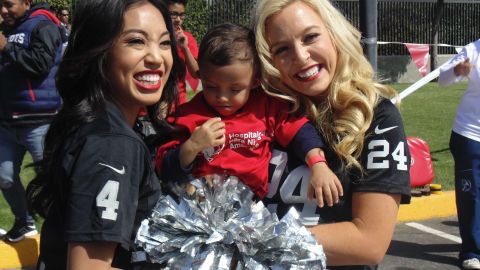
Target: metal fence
411 22
404 21
238 11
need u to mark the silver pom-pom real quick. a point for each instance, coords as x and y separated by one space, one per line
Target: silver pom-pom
219 226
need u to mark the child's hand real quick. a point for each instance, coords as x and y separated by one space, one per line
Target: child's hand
324 184
190 189
209 134
209 179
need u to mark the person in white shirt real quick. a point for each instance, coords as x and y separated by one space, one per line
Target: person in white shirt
465 148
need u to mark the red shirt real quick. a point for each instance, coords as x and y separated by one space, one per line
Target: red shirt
193 47
249 133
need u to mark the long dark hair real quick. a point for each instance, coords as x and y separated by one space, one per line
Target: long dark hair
83 84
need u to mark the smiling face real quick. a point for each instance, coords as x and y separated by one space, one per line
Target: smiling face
302 49
140 60
12 10
227 88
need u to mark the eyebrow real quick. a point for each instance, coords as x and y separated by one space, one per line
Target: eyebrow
143 32
303 32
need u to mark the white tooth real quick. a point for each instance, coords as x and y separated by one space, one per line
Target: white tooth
148 77
308 73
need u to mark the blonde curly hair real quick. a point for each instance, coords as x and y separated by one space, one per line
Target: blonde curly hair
346 113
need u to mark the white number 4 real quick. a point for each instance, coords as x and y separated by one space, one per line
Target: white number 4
108 198
383 150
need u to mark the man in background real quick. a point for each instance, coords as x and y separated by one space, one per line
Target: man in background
65 27
30 51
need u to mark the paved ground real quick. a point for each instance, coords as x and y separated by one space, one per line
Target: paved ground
434 244
427 245
426 237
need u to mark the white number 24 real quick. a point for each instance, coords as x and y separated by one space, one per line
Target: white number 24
107 198
377 158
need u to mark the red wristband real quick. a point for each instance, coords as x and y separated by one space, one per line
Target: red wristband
315 159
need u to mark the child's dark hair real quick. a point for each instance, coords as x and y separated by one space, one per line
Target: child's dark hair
226 43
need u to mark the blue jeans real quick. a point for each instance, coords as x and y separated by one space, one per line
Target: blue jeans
466 154
14 142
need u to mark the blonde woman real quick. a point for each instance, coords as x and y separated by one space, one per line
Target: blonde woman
313 57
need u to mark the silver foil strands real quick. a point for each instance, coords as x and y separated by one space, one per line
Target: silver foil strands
219 226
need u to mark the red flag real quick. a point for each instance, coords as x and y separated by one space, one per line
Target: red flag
420 55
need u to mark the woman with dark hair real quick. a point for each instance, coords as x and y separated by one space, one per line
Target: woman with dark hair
96 182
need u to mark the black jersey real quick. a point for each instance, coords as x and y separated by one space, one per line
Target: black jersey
385 159
110 185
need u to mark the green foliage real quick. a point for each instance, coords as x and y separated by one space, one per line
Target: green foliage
202 14
196 21
57 4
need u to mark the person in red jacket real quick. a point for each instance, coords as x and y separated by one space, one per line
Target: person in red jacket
187 48
229 128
